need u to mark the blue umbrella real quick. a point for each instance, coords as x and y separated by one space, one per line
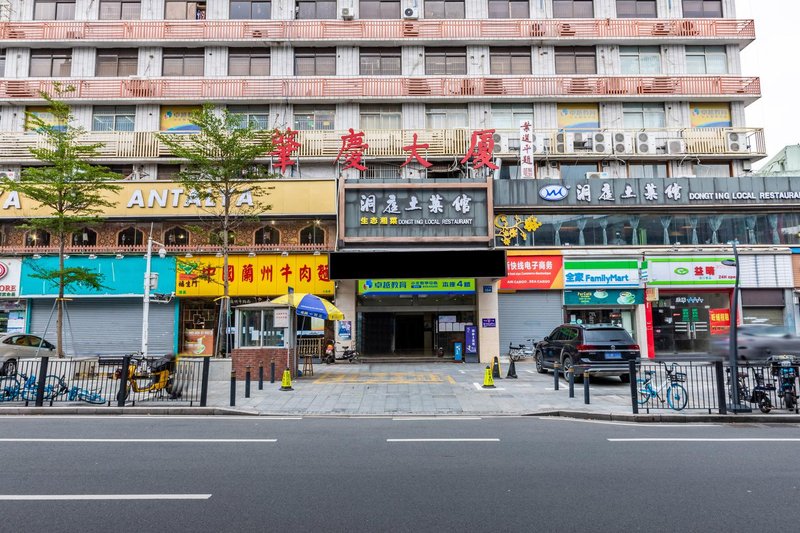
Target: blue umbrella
310 305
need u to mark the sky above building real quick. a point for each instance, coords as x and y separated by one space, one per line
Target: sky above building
778 110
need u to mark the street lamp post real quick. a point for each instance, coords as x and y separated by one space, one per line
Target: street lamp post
148 286
735 406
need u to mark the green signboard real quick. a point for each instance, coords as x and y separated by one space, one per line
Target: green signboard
416 286
604 297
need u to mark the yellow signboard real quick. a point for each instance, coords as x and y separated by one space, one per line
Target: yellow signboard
264 275
710 115
178 118
163 198
578 116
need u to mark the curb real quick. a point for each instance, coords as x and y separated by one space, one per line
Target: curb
122 411
672 419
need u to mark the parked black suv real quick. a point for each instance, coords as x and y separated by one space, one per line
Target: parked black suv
604 347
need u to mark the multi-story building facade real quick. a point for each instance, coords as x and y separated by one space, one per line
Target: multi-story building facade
609 89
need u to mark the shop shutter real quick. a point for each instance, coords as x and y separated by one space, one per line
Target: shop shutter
107 326
531 314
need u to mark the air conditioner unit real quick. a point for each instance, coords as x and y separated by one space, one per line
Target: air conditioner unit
623 142
582 140
736 142
502 144
565 143
539 142
346 13
597 176
675 147
8 174
601 142
645 144
411 13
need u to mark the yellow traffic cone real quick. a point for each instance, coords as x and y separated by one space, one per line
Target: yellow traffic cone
286 382
488 381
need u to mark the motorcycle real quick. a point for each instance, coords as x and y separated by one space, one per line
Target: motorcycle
330 356
784 371
760 394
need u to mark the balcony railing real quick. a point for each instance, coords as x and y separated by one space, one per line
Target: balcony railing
62 33
278 89
12 249
388 144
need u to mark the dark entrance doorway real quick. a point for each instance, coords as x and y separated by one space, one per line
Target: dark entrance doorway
409 333
378 333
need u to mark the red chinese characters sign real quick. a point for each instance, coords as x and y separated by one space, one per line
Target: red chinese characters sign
719 321
534 272
264 275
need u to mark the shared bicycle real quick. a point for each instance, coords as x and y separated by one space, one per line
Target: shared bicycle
669 390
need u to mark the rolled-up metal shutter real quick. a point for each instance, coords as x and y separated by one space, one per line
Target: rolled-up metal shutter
529 314
106 326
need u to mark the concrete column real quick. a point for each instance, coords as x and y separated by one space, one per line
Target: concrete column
18 62
148 117
476 9
219 9
413 60
729 9
604 9
281 116
346 302
541 9
676 114
477 60
607 60
216 62
673 59
21 10
282 9
82 115
150 62
87 10
737 115
281 61
545 116
348 62
732 52
83 62
479 114
152 9
611 115
669 9
640 317
12 118
488 308
543 60
413 116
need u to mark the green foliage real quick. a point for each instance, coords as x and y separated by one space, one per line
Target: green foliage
74 277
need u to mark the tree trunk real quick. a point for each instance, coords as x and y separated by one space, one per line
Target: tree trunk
60 300
226 307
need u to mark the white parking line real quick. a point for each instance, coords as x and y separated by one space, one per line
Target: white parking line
442 440
186 441
436 418
734 439
479 387
50 497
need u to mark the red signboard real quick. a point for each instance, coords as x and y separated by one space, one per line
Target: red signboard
527 272
719 321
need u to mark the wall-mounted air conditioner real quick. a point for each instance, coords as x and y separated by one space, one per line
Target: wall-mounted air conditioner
597 176
539 142
736 142
8 174
623 142
411 13
601 142
346 13
582 140
645 143
565 142
675 147
501 143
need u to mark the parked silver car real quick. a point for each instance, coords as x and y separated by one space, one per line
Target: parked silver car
16 346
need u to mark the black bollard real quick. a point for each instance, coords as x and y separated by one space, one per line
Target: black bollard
247 382
555 375
261 375
233 388
571 378
272 372
586 387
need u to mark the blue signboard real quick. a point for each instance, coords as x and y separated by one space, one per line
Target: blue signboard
120 277
458 351
471 338
489 322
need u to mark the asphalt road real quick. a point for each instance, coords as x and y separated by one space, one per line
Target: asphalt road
381 474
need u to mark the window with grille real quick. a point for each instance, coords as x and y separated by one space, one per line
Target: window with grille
379 9
113 118
509 116
267 235
184 10
310 117
116 62
120 9
248 62
54 10
643 115
176 236
445 61
313 234
380 62
509 9
250 9
50 63
446 116
706 60
510 60
381 117
444 9
575 60
183 62
640 59
315 62
573 9
702 8
256 116
629 9
647 170
316 9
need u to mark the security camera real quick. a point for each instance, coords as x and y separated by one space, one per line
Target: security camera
162 253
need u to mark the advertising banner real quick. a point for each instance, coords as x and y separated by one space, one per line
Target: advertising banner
471 338
532 272
198 341
177 118
612 273
690 271
719 321
416 286
578 117
10 274
710 115
603 297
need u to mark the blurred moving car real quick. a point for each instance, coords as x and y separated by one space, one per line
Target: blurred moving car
16 346
758 341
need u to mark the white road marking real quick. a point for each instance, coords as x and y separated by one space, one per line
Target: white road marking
442 440
462 371
437 418
49 497
187 441
529 371
633 424
733 439
248 418
478 386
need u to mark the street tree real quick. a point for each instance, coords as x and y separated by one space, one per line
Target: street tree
69 192
219 173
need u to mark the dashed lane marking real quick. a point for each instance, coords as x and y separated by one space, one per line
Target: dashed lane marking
72 497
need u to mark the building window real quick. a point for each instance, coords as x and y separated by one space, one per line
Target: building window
635 9
113 118
509 9
576 60
311 117
168 172
316 9
116 63
379 9
250 9
126 172
380 62
84 237
706 60
510 60
446 116
509 116
640 59
445 61
444 9
576 170
37 237
708 169
54 10
381 117
315 62
2 62
248 62
176 236
578 9
120 9
183 62
637 116
183 10
218 235
256 116
51 63
647 170
268 235
702 8
130 237
313 234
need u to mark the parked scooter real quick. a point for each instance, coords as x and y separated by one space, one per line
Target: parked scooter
330 355
785 371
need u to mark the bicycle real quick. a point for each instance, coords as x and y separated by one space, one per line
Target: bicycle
74 393
12 389
676 396
520 351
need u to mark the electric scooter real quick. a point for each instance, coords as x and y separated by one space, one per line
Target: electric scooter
331 357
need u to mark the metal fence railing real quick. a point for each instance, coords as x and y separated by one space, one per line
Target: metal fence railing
121 381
